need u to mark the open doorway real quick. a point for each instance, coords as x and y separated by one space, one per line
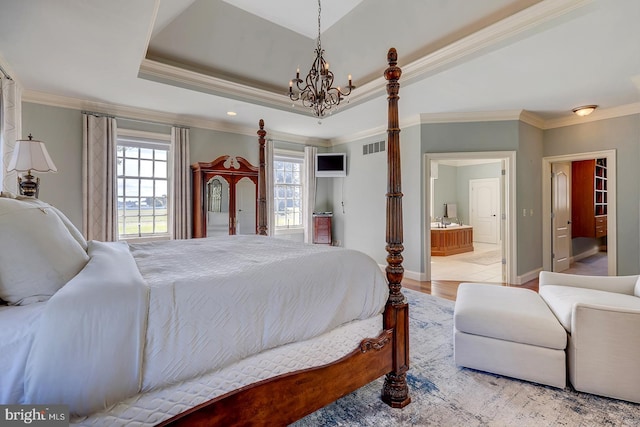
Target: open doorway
469 200
579 206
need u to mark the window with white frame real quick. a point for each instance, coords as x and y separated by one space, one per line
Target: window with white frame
143 188
288 191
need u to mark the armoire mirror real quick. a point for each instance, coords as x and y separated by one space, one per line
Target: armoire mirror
224 197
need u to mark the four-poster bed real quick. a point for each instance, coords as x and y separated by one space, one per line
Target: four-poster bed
284 399
205 331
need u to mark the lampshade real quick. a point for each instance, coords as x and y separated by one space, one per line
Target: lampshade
31 155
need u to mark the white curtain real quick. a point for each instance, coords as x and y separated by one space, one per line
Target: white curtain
181 183
99 144
271 220
309 192
11 116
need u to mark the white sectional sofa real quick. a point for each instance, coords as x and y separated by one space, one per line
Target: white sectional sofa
601 315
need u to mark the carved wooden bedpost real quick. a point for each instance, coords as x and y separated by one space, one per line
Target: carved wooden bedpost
395 391
262 183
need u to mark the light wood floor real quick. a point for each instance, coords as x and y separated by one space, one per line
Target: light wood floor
449 288
595 265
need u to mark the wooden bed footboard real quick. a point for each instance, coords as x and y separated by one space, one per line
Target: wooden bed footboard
286 398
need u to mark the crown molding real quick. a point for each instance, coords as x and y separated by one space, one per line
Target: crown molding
125 112
532 119
599 114
180 77
379 130
498 32
484 116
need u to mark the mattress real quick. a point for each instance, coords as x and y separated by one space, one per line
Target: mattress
153 407
17 328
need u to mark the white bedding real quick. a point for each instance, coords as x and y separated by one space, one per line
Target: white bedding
17 328
200 305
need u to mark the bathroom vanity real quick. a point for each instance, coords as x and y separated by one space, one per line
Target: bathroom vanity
454 239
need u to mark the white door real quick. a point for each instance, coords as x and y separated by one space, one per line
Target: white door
561 215
484 202
246 207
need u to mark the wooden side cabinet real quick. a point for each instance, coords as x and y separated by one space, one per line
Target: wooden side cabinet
322 228
589 198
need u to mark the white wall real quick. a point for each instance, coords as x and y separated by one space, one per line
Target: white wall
623 135
362 224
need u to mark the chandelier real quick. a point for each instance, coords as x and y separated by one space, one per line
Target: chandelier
317 91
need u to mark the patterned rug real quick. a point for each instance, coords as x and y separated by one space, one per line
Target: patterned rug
446 395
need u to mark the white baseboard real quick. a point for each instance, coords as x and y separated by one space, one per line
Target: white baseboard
524 278
413 275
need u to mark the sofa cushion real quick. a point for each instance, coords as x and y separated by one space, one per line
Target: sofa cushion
561 300
637 289
505 313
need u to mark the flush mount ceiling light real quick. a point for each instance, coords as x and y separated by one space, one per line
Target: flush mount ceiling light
231 113
585 110
317 91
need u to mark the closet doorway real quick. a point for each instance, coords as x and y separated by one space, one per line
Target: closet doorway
590 224
488 262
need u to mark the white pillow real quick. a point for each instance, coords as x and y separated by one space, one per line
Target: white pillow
637 288
38 253
67 223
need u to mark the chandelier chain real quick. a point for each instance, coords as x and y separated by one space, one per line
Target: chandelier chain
319 13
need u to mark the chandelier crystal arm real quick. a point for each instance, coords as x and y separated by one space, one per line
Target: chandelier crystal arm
317 91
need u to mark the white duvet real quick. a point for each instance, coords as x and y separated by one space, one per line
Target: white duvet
142 316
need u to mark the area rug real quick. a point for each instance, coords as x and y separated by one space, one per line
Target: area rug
485 258
446 395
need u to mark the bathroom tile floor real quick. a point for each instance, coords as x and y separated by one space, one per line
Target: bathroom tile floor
461 267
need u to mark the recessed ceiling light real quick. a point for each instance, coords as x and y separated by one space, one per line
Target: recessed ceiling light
585 110
231 113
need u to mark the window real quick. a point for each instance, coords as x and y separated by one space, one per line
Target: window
143 188
288 191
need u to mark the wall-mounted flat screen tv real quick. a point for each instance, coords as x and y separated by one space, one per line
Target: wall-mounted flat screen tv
331 165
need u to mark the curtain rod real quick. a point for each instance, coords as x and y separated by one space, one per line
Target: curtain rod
5 73
111 116
93 113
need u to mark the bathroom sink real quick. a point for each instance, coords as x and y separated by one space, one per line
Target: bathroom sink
437 225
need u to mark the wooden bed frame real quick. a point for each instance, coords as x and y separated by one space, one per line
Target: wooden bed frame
286 398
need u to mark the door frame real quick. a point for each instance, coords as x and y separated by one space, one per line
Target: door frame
612 252
507 224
